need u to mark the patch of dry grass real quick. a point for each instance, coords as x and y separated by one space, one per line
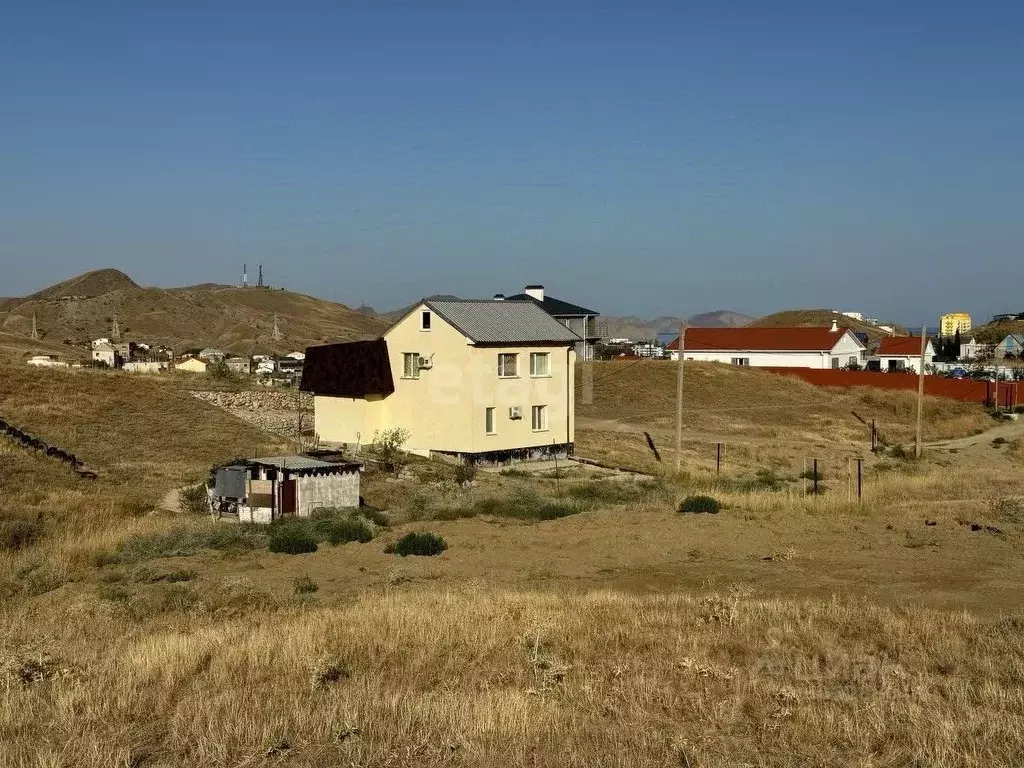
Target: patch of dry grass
476 677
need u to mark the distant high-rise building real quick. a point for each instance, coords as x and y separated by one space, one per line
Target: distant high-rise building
952 322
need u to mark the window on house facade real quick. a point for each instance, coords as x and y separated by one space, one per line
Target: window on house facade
853 360
489 421
507 365
411 365
739 360
539 420
540 364
835 363
425 320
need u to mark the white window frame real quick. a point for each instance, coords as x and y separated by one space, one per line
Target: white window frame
741 361
535 357
539 416
502 368
426 320
490 415
415 367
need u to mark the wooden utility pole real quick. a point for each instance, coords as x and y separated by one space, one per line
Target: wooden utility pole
679 399
920 391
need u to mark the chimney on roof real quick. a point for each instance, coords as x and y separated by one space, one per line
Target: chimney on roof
835 326
535 292
499 297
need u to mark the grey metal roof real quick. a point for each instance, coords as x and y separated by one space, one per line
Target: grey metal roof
299 463
502 322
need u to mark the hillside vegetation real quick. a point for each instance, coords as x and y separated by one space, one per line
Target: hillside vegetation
575 619
993 333
236 319
822 317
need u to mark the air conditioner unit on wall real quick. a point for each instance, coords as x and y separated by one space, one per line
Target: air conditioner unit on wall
515 412
425 362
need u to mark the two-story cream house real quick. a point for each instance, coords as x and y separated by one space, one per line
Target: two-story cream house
477 380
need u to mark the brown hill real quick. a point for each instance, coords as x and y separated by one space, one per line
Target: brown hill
88 285
791 318
638 329
993 333
238 320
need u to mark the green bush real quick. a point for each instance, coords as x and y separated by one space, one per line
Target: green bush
388 448
423 544
193 500
304 586
289 539
465 472
699 504
184 543
340 530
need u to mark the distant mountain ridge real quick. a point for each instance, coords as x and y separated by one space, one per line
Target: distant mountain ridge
638 329
239 320
823 317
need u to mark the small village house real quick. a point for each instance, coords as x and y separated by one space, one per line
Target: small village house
972 349
211 355
192 365
579 320
46 361
477 380
103 352
1011 346
801 347
278 487
901 353
241 365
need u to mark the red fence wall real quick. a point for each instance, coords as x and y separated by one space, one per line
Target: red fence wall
1011 393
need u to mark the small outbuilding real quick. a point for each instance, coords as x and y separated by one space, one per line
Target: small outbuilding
275 487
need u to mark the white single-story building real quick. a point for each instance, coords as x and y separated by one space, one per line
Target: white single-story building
800 347
192 365
901 353
46 361
275 487
139 366
974 350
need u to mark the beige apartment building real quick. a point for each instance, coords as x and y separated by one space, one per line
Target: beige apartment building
480 380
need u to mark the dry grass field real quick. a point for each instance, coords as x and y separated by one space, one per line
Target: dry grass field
576 618
764 420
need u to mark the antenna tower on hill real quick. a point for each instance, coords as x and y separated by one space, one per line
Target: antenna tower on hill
245 275
277 335
115 332
261 276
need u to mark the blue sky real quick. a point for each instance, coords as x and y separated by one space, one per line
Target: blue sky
648 158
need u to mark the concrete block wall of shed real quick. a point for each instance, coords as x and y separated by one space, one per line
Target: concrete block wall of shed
340 490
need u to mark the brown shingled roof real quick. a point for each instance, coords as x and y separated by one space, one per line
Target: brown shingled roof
352 369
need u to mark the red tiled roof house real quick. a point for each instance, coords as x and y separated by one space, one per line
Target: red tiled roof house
901 353
803 347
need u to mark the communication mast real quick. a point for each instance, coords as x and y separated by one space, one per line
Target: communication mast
245 276
261 276
115 332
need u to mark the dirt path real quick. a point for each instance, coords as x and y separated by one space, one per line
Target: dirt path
1010 430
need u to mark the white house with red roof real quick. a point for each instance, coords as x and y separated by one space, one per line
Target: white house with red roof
901 353
802 347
